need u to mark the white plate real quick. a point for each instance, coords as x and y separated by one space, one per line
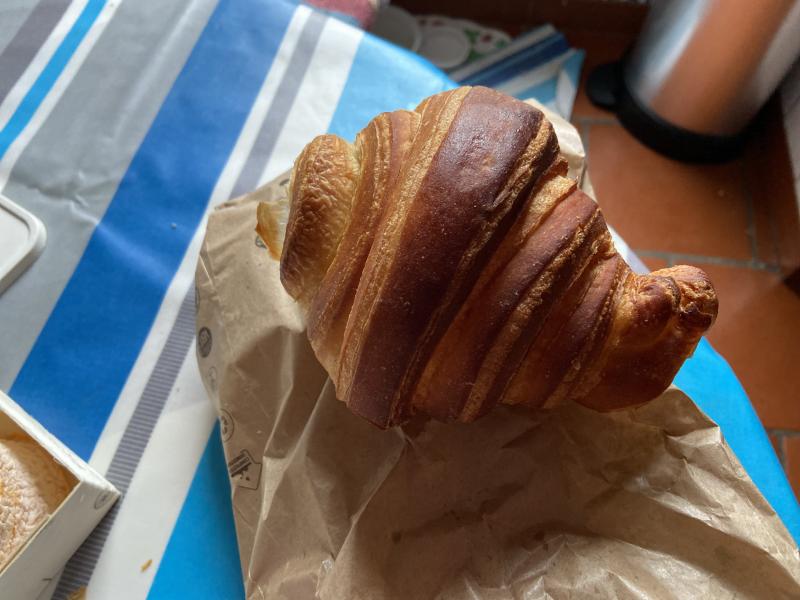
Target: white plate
398 26
22 239
444 46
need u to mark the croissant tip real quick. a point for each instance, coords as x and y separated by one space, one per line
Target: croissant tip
699 304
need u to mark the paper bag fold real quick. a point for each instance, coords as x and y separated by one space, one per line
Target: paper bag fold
643 503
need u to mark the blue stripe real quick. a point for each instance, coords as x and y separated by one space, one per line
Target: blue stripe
404 80
80 361
202 558
523 61
49 75
711 383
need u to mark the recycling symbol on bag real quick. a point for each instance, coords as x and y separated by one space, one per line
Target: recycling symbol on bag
244 471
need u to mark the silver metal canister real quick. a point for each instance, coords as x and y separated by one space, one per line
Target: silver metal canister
700 71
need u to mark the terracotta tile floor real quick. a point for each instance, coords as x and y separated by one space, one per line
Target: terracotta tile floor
671 212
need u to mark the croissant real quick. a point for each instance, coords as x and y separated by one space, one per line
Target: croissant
445 264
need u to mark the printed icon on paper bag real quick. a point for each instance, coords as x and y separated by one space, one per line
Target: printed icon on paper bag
225 425
204 342
244 471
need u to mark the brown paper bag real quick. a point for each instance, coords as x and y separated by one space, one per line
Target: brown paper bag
643 503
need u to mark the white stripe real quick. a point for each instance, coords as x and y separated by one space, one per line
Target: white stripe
318 95
521 82
184 277
267 93
144 526
524 41
48 103
156 495
40 60
565 93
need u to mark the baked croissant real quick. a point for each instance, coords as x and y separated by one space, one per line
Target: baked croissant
446 264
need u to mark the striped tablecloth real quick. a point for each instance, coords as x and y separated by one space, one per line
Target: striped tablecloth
122 123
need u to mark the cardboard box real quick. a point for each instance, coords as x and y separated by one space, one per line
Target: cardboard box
39 562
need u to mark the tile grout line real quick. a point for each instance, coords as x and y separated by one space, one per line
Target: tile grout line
776 238
776 433
752 234
585 124
773 233
755 264
792 433
583 120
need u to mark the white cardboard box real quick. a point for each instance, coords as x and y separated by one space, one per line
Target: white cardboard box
40 561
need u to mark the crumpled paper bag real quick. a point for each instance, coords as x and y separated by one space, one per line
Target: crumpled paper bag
642 503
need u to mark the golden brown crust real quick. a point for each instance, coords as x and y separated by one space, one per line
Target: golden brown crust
658 322
321 190
470 184
383 147
447 265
